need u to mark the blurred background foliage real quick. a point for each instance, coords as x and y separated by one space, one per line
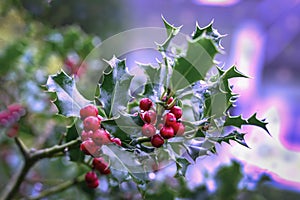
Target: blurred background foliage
38 38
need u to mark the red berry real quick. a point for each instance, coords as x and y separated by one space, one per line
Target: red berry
85 135
89 110
170 100
157 141
145 104
117 141
101 165
177 111
91 123
150 117
169 119
167 132
178 128
148 130
89 147
91 179
94 184
101 137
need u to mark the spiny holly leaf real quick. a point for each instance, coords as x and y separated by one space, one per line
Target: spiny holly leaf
124 126
256 122
210 33
232 72
67 98
225 88
172 31
194 65
75 154
114 90
198 148
126 161
235 136
182 165
155 81
238 121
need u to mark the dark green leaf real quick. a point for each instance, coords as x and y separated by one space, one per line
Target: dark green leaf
238 121
232 72
67 98
235 136
194 65
210 33
114 90
256 122
227 179
182 165
75 154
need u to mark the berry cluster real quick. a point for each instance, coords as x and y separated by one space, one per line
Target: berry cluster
160 128
11 115
94 136
91 177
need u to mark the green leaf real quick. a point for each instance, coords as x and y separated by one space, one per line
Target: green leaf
232 72
238 121
172 31
194 65
198 148
67 98
182 165
136 164
235 136
124 126
210 33
114 90
75 154
256 122
155 81
227 179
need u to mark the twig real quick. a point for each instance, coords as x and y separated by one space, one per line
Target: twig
22 147
30 158
63 186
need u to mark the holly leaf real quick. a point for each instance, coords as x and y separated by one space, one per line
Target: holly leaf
68 100
124 126
182 165
172 31
225 87
126 161
155 81
194 65
114 90
75 154
234 136
210 33
238 121
198 148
